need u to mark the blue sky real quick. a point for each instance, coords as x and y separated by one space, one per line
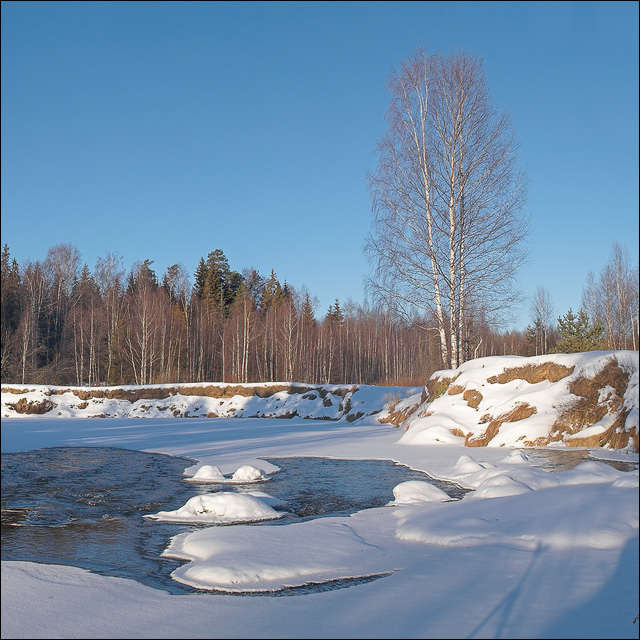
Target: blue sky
165 130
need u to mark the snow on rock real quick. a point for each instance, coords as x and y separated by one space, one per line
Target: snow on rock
517 457
207 473
580 399
441 433
631 405
221 508
500 485
416 492
491 481
246 474
467 465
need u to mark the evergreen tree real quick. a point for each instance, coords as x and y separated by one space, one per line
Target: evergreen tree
200 278
147 273
215 282
142 274
85 287
272 293
576 334
232 287
175 282
10 292
255 284
334 314
536 339
307 313
10 305
217 276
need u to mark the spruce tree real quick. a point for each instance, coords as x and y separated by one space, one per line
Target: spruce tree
200 278
272 291
307 314
85 287
170 282
576 334
10 306
215 282
217 277
334 314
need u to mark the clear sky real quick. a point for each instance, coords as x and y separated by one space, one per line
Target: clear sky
165 130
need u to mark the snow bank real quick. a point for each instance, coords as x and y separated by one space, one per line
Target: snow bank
583 399
514 505
202 400
599 517
244 559
558 560
579 400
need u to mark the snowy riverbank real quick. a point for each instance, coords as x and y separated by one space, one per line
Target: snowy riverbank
582 399
525 554
529 554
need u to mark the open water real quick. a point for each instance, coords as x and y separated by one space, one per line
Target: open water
84 506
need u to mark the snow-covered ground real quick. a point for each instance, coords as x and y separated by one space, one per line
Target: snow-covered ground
530 554
527 554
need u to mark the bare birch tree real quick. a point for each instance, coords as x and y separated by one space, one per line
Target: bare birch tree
33 301
541 314
612 299
61 271
447 199
109 276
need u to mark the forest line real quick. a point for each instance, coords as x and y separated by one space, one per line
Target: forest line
65 324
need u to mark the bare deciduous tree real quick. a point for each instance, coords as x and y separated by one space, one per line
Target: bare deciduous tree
542 314
61 271
109 276
612 299
447 198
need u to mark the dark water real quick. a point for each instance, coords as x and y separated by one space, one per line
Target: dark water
565 459
84 506
315 487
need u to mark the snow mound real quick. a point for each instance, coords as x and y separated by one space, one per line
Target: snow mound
416 492
246 474
207 473
220 508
